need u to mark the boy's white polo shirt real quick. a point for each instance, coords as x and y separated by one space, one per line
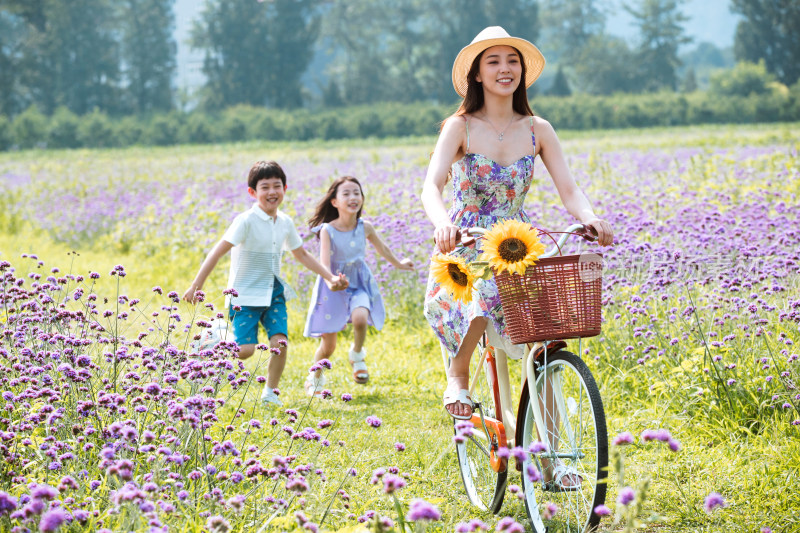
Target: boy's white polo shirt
258 244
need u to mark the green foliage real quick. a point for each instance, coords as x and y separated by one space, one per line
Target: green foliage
768 31
661 34
129 131
689 82
29 128
148 52
197 129
256 51
560 86
6 134
742 80
63 129
164 130
248 123
95 130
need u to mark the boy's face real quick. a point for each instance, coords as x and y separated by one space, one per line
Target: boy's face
269 194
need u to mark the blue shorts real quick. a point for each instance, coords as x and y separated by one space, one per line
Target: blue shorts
273 318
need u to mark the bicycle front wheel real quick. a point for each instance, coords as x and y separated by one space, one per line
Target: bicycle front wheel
485 487
575 436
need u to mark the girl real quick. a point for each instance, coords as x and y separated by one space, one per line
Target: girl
488 147
343 235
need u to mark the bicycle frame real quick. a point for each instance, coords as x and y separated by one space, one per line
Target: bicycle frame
495 363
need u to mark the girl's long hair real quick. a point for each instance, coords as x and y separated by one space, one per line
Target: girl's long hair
325 211
473 100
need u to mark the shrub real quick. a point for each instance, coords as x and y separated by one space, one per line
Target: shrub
5 133
29 128
164 130
197 129
129 131
268 127
95 130
742 80
63 132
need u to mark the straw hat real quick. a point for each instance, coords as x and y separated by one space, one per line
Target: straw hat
495 36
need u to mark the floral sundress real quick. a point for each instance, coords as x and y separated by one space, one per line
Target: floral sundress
484 192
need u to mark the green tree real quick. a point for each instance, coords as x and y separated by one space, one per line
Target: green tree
560 86
75 61
12 30
769 30
148 53
661 33
568 25
689 81
606 66
256 52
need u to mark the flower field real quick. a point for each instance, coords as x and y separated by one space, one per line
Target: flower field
110 420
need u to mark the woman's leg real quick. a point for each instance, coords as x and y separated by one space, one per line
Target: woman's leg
458 372
551 422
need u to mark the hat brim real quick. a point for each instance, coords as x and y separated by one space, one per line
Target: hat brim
533 58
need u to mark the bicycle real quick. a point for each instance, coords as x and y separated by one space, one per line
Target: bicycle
574 431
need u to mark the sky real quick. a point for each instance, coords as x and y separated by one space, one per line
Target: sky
709 21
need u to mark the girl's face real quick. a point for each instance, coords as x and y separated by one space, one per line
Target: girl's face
348 198
500 70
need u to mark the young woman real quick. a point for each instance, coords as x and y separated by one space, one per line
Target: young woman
488 147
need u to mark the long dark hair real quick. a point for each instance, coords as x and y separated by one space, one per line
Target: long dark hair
473 100
325 212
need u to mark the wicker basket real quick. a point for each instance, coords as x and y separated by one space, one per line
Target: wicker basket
557 298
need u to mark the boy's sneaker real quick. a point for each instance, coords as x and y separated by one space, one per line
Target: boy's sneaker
268 396
212 336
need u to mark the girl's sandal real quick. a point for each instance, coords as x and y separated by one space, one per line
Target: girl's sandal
314 385
360 374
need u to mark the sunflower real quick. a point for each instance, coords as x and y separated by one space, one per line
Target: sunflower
511 245
453 275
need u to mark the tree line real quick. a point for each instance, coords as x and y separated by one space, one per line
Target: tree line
118 57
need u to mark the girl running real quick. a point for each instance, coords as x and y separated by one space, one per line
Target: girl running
343 235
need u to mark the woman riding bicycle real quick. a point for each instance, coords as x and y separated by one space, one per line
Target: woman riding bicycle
488 147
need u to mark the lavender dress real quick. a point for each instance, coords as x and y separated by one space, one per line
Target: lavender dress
484 192
329 311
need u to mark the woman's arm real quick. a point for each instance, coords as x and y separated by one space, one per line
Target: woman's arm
571 195
385 251
448 147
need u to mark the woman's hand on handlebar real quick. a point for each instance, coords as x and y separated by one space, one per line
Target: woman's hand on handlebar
447 236
601 229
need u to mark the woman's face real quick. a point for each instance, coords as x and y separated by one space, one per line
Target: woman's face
500 70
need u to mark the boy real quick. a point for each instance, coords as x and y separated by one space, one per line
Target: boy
258 237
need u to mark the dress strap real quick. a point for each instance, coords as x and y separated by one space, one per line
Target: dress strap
466 124
533 136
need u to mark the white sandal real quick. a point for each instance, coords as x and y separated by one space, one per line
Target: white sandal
360 374
559 473
452 395
314 385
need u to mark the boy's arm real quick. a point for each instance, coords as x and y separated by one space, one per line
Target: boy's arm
308 261
221 248
385 251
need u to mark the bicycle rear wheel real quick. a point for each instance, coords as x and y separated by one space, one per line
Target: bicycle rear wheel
484 486
576 436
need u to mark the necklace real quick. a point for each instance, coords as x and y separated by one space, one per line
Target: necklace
500 134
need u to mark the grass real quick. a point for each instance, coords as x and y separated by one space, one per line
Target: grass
754 464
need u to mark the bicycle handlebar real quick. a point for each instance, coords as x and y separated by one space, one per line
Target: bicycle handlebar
587 232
